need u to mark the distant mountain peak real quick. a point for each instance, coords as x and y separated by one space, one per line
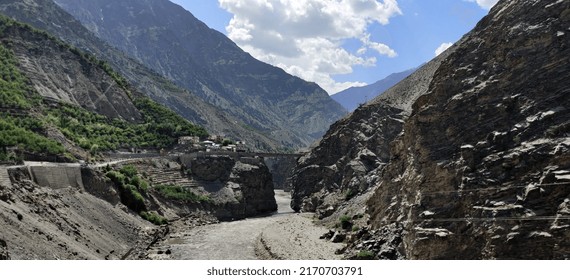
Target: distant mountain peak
353 97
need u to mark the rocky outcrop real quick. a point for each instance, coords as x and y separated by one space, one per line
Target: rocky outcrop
97 185
4 255
238 188
480 171
253 186
281 169
212 168
350 157
230 188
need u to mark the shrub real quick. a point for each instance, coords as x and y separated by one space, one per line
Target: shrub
349 194
130 195
180 193
132 198
345 222
129 171
141 184
117 178
365 255
154 218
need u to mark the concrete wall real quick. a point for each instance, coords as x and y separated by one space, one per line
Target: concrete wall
4 177
57 177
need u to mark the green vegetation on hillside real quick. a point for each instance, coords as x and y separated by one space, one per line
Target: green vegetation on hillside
24 118
154 218
12 134
130 187
14 91
16 97
180 193
97 133
133 189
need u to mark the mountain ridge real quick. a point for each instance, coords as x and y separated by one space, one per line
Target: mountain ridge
210 65
48 16
479 167
353 97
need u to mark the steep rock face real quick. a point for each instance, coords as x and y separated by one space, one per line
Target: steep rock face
281 169
482 168
256 187
58 73
212 168
174 43
238 188
48 16
350 157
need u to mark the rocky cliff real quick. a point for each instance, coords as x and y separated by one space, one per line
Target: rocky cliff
172 42
281 169
481 167
351 156
238 188
481 170
224 187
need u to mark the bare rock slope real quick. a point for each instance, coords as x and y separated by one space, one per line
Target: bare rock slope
480 169
355 150
43 223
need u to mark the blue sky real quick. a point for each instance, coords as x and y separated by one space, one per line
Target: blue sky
341 43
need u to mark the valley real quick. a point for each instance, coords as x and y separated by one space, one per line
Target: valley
122 137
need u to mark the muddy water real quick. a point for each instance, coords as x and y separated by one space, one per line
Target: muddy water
226 241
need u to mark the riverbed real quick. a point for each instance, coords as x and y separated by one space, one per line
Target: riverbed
282 235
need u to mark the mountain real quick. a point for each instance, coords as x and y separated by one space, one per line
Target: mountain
46 15
357 146
479 169
353 97
58 102
172 42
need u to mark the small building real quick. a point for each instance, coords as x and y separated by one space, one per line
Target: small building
208 143
240 146
216 138
188 140
230 148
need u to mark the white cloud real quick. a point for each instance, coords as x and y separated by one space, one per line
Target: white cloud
485 4
379 47
305 37
443 47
